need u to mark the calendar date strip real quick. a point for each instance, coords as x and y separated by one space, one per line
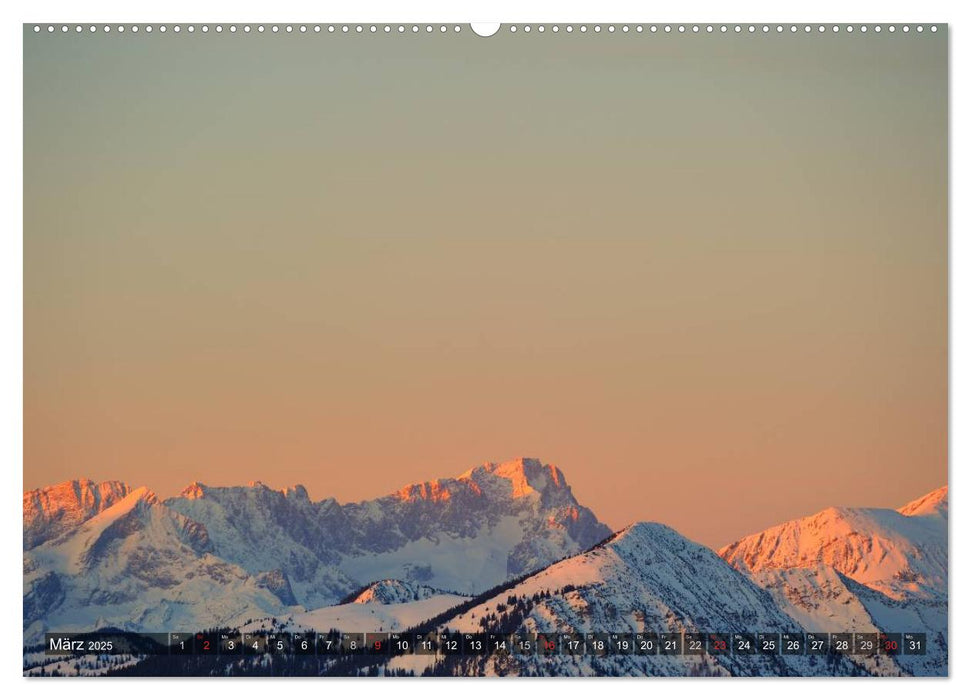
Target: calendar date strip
338 644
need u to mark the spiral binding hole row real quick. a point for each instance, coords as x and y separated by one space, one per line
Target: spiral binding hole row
513 28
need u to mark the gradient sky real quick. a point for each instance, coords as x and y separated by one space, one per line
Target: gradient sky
704 275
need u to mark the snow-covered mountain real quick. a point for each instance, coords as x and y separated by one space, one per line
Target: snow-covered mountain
462 534
137 565
107 554
647 578
860 569
901 553
100 555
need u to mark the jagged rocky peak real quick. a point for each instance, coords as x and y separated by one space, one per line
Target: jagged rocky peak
298 491
933 503
518 478
197 490
436 491
522 512
55 510
194 491
526 476
82 495
516 516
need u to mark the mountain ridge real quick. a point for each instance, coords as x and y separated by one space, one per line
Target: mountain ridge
900 552
106 554
460 533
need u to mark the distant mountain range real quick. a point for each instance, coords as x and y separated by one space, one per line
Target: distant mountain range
98 555
107 554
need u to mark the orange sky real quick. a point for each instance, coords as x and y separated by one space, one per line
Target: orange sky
705 277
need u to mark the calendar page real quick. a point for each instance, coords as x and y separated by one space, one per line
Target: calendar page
485 350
